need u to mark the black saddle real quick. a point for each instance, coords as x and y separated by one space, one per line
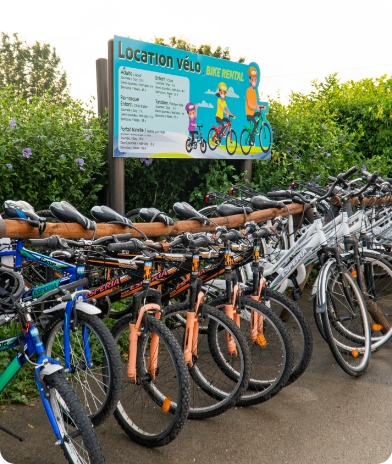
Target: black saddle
105 214
154 215
64 211
20 210
186 211
229 210
261 202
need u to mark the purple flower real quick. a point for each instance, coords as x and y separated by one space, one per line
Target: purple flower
93 178
79 161
62 157
26 152
328 155
87 137
13 124
273 189
148 161
318 177
142 160
363 169
296 157
9 165
82 169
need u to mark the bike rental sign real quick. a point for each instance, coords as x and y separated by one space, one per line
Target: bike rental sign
169 103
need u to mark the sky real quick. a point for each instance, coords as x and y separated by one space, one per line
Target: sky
294 42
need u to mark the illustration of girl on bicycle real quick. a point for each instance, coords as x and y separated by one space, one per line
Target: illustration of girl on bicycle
191 109
222 108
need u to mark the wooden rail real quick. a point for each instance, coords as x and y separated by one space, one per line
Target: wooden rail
21 229
337 201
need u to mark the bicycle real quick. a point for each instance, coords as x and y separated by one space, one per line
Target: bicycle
263 131
189 146
216 134
65 412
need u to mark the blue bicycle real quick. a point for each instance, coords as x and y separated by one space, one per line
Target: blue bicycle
69 421
71 331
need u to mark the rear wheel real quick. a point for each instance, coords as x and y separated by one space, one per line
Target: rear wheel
79 441
212 140
265 137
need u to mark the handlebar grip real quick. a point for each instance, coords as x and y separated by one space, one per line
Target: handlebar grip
201 241
349 173
78 283
279 193
50 242
263 232
388 179
373 177
129 246
233 236
332 179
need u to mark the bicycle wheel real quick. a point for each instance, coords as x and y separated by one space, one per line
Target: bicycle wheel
265 138
298 327
212 142
97 383
212 392
346 323
377 291
152 411
244 142
231 143
188 145
203 146
79 440
272 358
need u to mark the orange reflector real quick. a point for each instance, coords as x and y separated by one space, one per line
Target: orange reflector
166 405
377 327
261 341
355 353
354 274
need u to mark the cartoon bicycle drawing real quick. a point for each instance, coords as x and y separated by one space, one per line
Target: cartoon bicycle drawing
217 134
263 134
191 142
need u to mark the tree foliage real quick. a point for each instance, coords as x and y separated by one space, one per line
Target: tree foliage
32 70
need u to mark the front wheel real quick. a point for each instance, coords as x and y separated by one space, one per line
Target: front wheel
212 139
203 146
245 142
231 142
188 145
152 411
265 137
346 323
78 439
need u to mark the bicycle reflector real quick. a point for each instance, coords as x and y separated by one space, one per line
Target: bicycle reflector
207 199
231 191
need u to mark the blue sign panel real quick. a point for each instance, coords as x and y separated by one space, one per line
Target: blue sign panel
169 103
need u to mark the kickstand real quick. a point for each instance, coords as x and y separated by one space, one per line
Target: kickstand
11 433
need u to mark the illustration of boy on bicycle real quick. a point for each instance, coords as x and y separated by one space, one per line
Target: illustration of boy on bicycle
251 103
191 109
222 108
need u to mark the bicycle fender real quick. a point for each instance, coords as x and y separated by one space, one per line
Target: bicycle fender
80 306
50 369
321 305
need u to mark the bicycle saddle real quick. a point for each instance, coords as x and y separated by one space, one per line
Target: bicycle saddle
186 211
105 214
261 202
230 210
19 210
154 215
65 212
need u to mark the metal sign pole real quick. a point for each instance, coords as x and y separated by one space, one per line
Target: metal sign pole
115 165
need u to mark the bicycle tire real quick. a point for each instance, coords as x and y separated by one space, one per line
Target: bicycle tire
203 146
299 330
150 425
267 129
243 139
98 387
212 392
80 442
346 314
271 364
188 145
212 144
233 141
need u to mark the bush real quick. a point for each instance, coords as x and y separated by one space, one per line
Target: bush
51 149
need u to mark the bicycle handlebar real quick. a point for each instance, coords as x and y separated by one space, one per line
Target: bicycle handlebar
68 287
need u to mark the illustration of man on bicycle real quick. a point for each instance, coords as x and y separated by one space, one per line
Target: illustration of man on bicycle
222 108
251 103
